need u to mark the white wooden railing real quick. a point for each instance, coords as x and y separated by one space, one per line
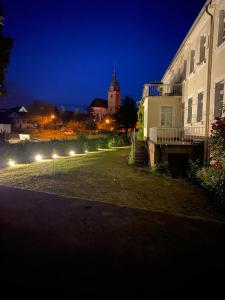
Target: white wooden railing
160 89
184 135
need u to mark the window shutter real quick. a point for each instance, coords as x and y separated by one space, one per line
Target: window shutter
199 107
192 66
184 70
219 95
189 119
221 28
202 48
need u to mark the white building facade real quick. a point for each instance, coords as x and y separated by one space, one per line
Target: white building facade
194 81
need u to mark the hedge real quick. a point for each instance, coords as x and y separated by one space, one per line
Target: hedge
25 152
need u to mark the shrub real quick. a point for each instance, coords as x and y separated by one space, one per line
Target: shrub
161 168
131 156
25 152
117 140
140 123
213 179
193 168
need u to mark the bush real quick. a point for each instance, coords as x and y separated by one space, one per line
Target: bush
193 168
131 160
212 177
24 152
161 168
117 140
213 180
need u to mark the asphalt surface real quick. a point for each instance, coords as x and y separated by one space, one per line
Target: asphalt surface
68 245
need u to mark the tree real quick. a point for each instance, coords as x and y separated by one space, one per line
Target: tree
126 116
90 123
6 44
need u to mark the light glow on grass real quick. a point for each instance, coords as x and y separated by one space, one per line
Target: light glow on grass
54 156
72 153
11 163
86 151
38 157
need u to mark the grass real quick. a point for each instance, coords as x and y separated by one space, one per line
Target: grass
105 176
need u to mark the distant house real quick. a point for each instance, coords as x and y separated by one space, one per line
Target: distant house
16 116
5 125
99 108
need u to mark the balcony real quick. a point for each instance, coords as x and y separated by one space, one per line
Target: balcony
160 89
177 136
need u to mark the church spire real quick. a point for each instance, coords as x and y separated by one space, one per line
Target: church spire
114 73
114 94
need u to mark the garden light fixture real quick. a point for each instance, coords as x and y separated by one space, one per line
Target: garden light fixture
11 163
38 157
72 153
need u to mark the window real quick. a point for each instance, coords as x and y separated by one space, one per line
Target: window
221 29
202 49
192 63
166 116
219 95
200 107
189 118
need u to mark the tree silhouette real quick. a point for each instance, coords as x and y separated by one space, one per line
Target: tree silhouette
126 116
6 44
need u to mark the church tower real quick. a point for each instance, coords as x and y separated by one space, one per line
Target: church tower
114 95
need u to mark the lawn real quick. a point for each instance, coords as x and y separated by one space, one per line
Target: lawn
105 176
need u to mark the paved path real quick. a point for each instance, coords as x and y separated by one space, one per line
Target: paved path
76 245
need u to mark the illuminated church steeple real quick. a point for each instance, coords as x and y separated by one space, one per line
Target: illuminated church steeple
114 95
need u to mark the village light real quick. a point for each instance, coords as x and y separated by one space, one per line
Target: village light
107 121
52 116
54 156
38 157
11 163
72 153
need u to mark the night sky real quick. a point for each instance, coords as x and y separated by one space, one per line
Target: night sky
64 51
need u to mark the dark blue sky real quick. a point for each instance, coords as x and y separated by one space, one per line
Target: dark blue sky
64 51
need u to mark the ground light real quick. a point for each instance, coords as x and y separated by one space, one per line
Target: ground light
38 157
72 153
54 156
11 163
86 151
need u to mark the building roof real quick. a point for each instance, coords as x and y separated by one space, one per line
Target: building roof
16 109
18 112
97 102
208 2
